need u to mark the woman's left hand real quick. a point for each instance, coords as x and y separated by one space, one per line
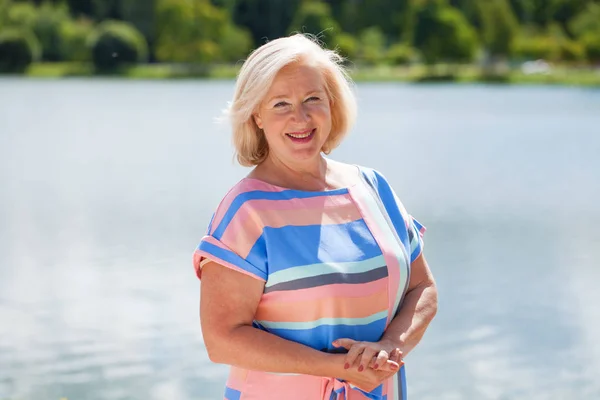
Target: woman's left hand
377 355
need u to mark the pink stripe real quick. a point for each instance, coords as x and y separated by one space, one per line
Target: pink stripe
236 379
324 292
243 186
383 241
248 223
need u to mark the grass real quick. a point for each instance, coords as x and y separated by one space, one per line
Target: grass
561 75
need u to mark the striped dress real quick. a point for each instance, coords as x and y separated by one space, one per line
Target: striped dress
335 264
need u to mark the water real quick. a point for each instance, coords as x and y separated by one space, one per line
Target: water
107 186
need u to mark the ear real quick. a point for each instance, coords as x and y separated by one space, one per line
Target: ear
258 120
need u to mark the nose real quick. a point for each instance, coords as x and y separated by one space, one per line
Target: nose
301 114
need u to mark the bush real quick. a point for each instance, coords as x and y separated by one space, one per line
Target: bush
400 54
74 36
591 42
372 45
18 49
537 48
346 45
116 44
47 26
20 15
235 43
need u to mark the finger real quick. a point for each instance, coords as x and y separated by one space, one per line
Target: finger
396 355
346 343
353 354
389 367
380 359
366 357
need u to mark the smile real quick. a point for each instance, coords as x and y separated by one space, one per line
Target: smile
301 135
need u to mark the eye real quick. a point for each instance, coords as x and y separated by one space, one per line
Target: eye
280 104
313 98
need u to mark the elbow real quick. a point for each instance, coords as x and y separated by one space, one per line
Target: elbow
433 302
215 351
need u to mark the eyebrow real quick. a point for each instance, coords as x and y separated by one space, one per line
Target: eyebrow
282 96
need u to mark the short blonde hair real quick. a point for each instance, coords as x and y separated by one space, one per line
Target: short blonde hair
254 81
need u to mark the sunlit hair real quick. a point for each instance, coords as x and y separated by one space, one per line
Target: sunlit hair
255 79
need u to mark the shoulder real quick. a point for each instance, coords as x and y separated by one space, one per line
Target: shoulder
239 200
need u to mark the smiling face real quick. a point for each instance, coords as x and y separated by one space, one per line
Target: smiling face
295 115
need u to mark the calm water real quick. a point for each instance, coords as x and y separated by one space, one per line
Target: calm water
107 186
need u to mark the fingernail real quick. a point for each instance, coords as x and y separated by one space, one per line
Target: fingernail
375 366
346 366
394 366
360 368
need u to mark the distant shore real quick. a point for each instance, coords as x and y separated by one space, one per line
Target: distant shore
560 75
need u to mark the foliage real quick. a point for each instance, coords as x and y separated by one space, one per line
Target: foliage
18 49
116 44
499 27
75 35
536 48
400 54
314 16
47 27
371 45
368 32
346 45
442 33
189 31
235 43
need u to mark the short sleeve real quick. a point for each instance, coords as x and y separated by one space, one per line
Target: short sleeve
409 229
231 241
415 236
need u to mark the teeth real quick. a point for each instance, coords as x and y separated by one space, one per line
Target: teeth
300 135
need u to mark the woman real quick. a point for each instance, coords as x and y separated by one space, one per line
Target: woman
314 285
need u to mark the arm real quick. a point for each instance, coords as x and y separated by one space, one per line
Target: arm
417 310
228 303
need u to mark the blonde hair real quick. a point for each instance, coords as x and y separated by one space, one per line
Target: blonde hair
254 81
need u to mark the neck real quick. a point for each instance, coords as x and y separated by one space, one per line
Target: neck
311 173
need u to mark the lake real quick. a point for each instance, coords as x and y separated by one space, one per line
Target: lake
106 187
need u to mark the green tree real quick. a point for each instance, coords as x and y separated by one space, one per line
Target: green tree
47 27
266 19
499 27
235 43
116 44
442 33
18 49
189 31
371 45
314 16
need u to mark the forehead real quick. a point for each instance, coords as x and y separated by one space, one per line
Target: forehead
296 78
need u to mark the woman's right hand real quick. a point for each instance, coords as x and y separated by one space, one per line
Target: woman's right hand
369 379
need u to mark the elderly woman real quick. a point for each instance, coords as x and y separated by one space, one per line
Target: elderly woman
313 281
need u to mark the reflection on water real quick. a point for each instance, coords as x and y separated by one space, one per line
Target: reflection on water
106 187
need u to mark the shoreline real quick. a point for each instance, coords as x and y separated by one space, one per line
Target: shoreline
556 75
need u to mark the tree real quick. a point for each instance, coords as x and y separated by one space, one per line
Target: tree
266 19
314 16
443 34
499 27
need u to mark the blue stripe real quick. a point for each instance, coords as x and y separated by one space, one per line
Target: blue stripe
415 252
376 394
402 383
231 394
261 195
322 336
232 258
292 246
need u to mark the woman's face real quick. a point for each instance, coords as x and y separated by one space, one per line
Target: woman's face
295 114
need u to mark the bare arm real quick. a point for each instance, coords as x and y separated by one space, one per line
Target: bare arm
228 303
417 310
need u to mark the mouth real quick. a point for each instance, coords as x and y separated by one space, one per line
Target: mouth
302 136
